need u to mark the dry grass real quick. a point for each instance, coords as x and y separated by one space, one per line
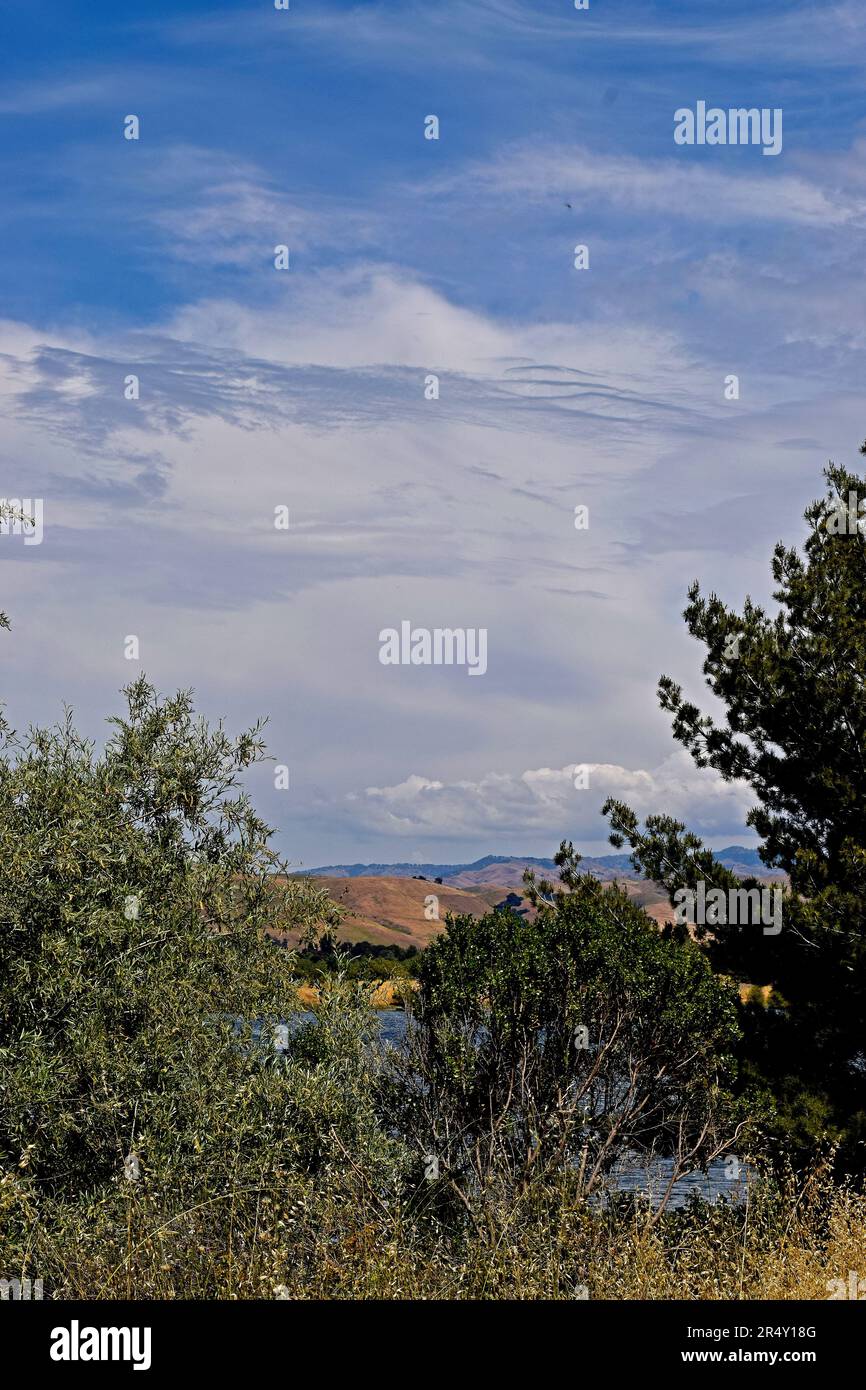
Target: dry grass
384 994
339 1239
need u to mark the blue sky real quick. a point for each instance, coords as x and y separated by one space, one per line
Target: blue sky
305 388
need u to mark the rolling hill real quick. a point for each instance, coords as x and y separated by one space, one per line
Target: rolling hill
385 903
509 868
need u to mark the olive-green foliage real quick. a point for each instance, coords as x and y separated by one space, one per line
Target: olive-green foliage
136 885
150 1133
278 1161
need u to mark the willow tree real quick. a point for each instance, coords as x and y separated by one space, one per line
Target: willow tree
136 887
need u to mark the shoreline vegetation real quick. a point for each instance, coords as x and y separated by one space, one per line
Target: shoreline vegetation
383 994
389 994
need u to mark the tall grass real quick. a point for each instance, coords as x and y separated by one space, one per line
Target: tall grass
339 1238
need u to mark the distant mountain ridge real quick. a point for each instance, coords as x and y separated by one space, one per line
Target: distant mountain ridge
509 868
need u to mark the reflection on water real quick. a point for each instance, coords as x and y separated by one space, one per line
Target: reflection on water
393 1025
653 1180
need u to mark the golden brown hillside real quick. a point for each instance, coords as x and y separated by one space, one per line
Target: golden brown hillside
391 911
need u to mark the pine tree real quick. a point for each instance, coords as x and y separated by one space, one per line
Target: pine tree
795 731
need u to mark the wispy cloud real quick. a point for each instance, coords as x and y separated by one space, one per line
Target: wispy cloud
53 93
672 187
470 33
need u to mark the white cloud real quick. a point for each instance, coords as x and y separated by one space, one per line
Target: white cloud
545 801
676 186
403 37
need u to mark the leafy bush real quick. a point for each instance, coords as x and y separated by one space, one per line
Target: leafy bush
571 1039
